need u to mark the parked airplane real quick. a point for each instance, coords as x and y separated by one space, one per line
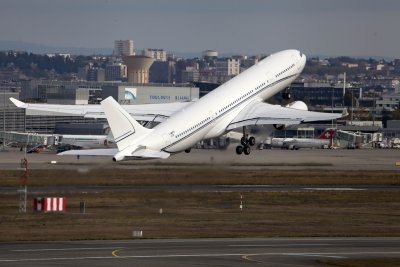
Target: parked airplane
86 141
236 103
324 141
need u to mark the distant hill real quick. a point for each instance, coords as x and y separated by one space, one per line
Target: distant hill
44 49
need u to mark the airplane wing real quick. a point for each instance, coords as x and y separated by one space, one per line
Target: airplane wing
262 113
146 112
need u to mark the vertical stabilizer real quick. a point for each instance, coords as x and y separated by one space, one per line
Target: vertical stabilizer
327 134
124 128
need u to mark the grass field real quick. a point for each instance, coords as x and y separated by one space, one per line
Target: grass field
114 215
214 175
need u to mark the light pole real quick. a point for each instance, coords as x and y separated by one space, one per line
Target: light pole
352 110
4 119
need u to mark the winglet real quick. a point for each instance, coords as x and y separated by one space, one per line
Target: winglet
18 103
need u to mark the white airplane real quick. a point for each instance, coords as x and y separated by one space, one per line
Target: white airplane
86 141
236 103
323 141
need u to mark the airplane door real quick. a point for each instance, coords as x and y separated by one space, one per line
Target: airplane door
212 115
270 77
167 139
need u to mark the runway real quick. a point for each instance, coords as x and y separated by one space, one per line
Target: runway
337 159
196 252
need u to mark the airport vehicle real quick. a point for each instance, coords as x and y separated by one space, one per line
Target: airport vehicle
236 103
324 141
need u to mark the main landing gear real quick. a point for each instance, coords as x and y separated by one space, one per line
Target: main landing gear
245 143
286 95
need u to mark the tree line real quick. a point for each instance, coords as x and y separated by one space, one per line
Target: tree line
28 61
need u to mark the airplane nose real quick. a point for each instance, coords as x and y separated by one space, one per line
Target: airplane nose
302 59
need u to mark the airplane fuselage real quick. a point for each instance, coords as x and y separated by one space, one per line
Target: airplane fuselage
209 116
296 143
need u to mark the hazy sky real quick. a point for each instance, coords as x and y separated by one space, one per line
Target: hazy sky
317 27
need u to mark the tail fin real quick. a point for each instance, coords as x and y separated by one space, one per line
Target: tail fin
124 128
327 134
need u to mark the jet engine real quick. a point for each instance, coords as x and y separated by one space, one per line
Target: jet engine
297 105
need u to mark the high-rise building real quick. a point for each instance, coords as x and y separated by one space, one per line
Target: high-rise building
123 48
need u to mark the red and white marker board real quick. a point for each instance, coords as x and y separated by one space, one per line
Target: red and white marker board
47 204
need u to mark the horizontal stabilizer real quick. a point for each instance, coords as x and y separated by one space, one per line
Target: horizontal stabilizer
91 152
150 154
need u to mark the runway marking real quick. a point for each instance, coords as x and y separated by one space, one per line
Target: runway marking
283 245
316 255
333 189
114 253
247 258
64 249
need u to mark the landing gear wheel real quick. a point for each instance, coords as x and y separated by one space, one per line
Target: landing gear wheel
243 141
246 143
239 150
188 150
246 150
286 95
252 141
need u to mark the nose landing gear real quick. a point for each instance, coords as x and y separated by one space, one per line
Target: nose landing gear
246 142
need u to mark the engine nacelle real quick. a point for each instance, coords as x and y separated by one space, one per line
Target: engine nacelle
279 126
297 105
119 157
300 105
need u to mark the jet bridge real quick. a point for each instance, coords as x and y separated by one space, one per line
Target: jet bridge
10 138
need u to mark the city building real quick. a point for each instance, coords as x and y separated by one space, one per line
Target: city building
95 75
320 94
123 48
162 72
157 54
227 67
190 74
387 103
116 72
61 92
